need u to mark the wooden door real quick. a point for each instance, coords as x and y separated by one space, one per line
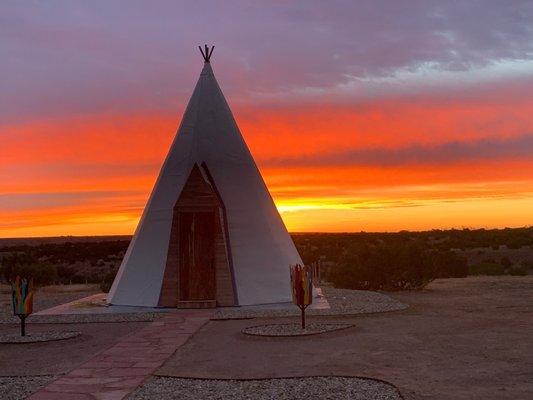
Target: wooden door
197 280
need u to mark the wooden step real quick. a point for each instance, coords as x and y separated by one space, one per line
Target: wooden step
197 304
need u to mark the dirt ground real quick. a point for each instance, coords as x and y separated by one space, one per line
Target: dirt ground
61 356
460 339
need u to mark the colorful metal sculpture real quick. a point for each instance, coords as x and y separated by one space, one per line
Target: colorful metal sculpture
302 287
22 300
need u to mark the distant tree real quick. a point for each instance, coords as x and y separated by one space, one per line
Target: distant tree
487 267
448 264
107 281
505 262
42 273
384 267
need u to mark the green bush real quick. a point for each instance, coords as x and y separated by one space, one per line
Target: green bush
518 270
384 267
528 265
107 281
487 268
42 273
505 262
448 264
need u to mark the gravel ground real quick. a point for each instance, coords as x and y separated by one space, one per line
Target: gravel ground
341 301
47 336
20 387
281 330
337 388
86 318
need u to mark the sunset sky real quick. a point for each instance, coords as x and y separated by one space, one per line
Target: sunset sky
361 115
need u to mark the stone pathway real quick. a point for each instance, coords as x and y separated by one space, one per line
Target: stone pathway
117 371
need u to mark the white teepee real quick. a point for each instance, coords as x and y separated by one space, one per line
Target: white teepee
210 157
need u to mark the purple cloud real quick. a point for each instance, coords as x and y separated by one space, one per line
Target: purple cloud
72 57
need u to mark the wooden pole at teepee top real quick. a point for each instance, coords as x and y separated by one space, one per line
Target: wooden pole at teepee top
206 52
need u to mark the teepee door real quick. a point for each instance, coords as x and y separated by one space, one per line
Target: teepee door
197 277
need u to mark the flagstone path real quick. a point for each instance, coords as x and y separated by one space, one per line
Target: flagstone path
117 371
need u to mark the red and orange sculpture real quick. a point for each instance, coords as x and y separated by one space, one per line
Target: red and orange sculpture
22 300
302 287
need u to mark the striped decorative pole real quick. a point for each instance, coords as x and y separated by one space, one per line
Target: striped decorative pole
22 300
302 287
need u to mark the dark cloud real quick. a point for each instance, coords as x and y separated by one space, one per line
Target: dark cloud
447 153
72 57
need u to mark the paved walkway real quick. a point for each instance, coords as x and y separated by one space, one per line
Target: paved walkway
117 371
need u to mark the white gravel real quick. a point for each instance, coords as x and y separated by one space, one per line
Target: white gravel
48 336
329 388
341 301
20 387
83 318
283 330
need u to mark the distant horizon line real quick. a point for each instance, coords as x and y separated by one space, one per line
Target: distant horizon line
291 233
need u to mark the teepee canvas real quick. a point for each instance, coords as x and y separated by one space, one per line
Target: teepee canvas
210 234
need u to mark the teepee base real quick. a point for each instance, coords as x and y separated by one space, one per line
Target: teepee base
197 304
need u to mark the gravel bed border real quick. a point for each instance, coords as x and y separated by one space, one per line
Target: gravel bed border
20 387
341 301
312 328
37 337
84 318
284 388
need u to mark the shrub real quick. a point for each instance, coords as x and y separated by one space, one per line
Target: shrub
528 265
107 281
518 270
487 268
384 267
42 273
505 262
448 264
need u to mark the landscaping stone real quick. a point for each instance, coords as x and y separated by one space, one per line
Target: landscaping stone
341 301
19 387
82 318
16 338
337 388
283 330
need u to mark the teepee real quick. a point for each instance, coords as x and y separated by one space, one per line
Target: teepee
210 234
